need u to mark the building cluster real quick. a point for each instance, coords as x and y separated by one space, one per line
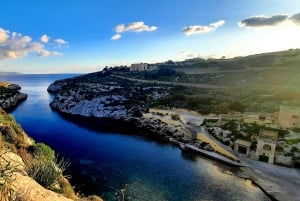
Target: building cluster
288 117
264 149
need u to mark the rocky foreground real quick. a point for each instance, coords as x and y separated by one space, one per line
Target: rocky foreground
26 169
10 95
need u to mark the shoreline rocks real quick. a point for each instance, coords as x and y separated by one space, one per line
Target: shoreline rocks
10 96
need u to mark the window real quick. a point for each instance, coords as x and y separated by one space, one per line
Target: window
267 147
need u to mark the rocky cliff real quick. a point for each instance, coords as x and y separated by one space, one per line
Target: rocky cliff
103 95
10 96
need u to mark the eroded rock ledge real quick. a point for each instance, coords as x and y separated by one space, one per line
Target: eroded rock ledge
10 95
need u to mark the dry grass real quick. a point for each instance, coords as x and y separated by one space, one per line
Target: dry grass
4 84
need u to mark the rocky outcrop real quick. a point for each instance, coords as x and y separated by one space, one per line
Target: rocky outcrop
109 97
103 96
10 96
20 185
155 128
56 86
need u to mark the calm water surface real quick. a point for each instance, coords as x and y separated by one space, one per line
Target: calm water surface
103 163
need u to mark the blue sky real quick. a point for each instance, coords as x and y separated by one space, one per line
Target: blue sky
84 36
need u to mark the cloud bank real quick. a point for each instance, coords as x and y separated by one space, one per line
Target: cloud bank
137 27
198 29
262 21
14 45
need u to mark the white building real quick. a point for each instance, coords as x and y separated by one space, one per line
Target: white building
266 144
139 67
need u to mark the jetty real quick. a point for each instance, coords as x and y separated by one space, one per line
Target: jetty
212 154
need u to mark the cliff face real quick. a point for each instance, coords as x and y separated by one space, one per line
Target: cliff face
102 95
10 96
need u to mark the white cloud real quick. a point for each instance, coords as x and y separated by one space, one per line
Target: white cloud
198 29
116 37
134 27
46 53
218 24
138 27
3 35
45 38
14 45
61 41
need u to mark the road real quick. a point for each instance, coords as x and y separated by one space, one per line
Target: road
196 85
281 183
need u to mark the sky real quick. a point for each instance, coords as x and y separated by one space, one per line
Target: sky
76 36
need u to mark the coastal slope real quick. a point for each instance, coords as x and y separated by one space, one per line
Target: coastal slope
28 170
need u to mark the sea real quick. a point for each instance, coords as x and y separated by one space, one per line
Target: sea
113 165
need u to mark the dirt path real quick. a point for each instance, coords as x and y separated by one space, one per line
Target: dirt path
196 85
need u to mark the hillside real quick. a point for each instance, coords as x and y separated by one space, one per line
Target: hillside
259 83
287 58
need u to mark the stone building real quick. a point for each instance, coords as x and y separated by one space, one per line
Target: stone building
289 117
266 144
242 146
266 119
139 67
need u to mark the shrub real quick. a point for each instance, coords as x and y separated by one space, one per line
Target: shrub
66 189
175 117
46 172
42 150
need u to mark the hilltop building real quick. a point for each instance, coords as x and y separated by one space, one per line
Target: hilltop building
263 119
289 117
139 67
266 144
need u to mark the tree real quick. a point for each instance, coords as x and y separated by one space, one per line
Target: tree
237 106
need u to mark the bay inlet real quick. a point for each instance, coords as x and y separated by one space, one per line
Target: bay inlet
104 162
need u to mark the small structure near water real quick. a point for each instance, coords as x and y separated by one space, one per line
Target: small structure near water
242 146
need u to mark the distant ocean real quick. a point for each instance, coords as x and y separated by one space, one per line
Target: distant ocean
105 162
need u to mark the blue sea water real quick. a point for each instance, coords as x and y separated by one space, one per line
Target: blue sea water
103 163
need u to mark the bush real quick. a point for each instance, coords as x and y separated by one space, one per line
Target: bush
42 150
175 117
237 106
66 189
46 172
